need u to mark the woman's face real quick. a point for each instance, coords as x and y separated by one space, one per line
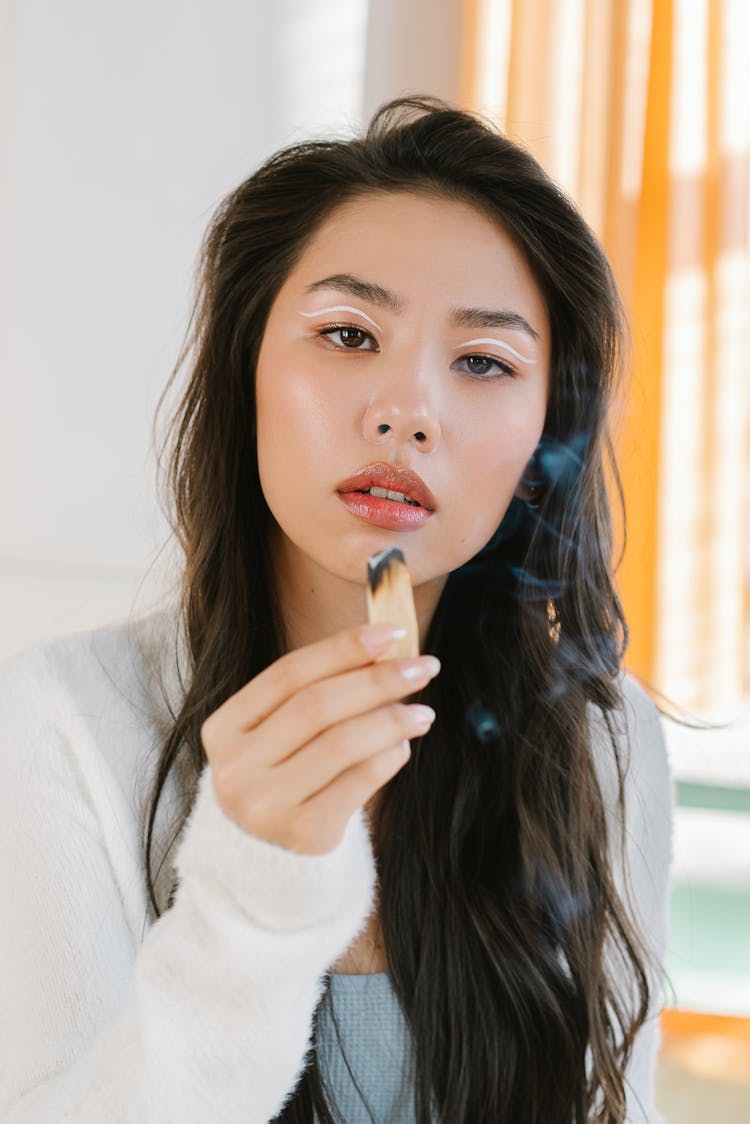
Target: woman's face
442 367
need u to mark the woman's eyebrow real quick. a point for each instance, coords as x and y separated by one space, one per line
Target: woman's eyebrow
356 287
492 318
460 317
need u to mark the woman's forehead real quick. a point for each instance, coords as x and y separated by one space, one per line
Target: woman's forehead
400 246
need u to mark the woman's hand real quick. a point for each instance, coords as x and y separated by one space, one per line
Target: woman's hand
300 747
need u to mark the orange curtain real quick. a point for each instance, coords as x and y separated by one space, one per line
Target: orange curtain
639 109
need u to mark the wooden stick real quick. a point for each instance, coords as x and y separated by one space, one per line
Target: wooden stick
390 599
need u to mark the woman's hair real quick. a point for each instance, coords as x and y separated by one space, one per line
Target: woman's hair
519 971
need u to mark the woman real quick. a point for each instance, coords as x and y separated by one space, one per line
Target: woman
340 928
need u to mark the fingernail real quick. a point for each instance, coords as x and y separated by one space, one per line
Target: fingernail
423 715
424 667
377 637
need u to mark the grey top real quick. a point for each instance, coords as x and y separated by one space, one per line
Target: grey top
377 1045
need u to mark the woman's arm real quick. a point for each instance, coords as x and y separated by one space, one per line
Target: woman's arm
209 1017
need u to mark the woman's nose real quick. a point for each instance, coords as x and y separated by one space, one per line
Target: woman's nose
403 409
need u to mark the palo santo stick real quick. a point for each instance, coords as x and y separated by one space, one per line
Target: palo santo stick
390 600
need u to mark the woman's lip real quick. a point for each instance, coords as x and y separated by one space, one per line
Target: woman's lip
390 514
383 474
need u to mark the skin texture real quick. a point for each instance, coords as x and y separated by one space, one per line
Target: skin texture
321 399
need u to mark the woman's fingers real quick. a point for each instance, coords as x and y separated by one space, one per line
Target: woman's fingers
325 704
305 803
298 749
259 698
318 825
348 744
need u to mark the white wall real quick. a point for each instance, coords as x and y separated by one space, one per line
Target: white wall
413 46
121 128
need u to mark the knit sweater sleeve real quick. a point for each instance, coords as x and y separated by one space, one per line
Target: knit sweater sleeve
641 869
206 1018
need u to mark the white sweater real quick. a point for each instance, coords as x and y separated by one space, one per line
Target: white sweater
108 1016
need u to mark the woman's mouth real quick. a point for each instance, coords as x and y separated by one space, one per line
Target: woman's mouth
387 494
382 508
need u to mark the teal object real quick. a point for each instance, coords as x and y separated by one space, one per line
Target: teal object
708 958
721 798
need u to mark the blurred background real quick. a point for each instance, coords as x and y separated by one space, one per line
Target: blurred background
123 126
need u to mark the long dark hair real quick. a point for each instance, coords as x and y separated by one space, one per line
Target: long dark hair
498 904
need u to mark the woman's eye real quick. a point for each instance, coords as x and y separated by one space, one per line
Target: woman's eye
481 365
349 336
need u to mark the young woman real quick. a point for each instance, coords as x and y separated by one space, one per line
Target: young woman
231 893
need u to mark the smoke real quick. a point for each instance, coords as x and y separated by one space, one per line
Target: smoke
483 723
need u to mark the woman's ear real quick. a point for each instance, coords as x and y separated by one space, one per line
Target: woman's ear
529 493
531 484
553 462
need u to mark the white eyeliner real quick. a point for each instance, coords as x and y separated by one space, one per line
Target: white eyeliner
343 308
500 343
350 308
